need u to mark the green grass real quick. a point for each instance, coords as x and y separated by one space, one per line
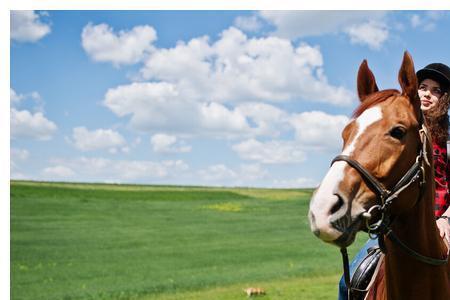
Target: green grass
89 241
301 288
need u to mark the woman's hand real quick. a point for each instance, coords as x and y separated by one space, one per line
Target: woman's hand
444 229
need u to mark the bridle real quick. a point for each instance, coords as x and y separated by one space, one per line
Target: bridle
381 228
386 196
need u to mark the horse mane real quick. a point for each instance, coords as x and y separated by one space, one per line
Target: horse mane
374 99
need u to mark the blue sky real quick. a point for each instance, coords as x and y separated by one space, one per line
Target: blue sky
233 98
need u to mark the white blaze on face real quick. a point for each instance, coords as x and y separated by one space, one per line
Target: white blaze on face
366 119
325 197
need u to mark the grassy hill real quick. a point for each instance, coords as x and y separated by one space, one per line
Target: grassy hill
88 241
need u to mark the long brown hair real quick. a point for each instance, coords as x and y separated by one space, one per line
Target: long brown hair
437 120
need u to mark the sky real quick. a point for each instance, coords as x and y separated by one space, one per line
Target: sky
211 98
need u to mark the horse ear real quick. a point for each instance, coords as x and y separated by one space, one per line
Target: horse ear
366 81
407 78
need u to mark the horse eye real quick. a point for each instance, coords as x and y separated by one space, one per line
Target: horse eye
397 133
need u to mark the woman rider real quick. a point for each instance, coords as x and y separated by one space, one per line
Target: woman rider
433 91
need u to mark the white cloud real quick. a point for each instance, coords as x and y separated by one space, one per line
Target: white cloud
136 142
14 97
26 26
16 100
252 172
35 96
141 169
238 69
272 152
28 125
295 24
267 118
58 172
427 21
19 154
17 158
248 23
135 97
106 170
372 34
216 118
301 182
16 174
363 27
209 89
102 44
98 139
185 66
218 172
319 130
243 175
164 143
159 107
151 106
416 21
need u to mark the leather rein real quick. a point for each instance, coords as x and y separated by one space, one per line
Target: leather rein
386 197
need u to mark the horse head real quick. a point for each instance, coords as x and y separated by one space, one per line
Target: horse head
380 144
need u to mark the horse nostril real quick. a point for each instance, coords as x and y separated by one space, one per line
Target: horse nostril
338 205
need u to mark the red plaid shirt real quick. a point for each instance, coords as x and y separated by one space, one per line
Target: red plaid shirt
442 174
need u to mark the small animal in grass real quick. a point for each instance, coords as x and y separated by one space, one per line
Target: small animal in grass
251 291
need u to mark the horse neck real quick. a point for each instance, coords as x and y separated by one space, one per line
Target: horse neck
406 277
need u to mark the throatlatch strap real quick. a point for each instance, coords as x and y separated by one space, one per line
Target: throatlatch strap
410 177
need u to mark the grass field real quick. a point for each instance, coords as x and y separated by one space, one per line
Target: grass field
88 241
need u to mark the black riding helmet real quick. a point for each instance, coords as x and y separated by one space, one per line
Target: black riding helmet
438 72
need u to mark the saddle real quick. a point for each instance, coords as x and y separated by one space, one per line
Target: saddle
365 273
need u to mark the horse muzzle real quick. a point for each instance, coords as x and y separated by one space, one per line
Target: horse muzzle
335 223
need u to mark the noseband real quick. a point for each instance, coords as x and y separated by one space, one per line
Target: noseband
385 197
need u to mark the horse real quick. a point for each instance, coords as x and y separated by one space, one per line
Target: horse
383 183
